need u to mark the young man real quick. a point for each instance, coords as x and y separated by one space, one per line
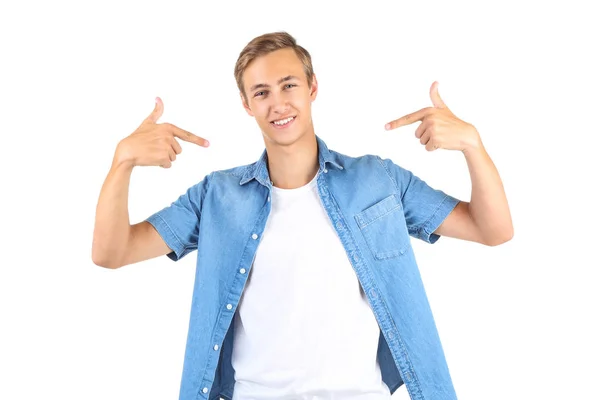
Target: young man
306 282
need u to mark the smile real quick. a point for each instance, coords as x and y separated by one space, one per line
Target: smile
283 123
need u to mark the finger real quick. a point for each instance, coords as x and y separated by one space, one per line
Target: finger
157 112
176 146
172 155
187 136
166 164
409 119
425 137
431 146
421 129
436 99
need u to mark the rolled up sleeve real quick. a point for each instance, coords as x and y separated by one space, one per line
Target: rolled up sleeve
178 223
425 208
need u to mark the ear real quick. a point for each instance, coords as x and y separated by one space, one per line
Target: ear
314 88
246 107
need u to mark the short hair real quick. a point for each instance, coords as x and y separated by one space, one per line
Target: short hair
265 44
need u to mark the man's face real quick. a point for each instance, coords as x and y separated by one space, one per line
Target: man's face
277 90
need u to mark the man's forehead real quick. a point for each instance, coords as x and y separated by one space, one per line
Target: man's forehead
272 67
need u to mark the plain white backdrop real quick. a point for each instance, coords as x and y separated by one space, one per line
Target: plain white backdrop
518 321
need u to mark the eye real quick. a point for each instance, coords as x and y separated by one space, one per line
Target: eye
290 85
258 93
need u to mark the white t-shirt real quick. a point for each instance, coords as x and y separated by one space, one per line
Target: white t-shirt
303 328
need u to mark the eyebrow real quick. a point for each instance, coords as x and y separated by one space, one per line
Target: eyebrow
279 82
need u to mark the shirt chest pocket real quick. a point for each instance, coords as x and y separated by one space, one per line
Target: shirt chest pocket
384 228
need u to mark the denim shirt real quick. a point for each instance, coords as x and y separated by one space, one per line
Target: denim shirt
373 204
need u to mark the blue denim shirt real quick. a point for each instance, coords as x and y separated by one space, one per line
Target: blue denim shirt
373 204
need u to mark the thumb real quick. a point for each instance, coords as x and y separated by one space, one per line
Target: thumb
436 99
157 112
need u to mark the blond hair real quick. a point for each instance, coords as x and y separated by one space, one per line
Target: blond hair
265 44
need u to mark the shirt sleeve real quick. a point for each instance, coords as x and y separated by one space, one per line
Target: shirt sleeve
178 223
425 208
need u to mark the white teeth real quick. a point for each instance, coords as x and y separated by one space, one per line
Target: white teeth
283 121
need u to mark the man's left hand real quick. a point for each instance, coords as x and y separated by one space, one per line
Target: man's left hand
440 128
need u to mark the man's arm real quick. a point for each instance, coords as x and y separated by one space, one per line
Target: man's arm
116 243
486 218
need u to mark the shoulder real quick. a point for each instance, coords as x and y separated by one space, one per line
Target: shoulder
233 177
218 179
365 162
232 174
374 165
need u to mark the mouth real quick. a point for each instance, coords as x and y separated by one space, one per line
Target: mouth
283 123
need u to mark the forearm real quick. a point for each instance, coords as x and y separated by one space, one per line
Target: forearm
488 207
112 227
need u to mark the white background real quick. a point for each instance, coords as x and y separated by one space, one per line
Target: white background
518 321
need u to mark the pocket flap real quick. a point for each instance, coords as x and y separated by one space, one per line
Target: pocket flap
377 210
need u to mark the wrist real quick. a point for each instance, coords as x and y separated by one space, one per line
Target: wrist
122 159
473 144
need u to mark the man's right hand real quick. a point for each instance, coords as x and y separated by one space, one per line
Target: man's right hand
153 143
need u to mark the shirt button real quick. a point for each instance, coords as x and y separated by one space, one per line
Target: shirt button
325 170
373 293
205 390
242 270
269 198
339 225
356 257
216 347
254 236
229 306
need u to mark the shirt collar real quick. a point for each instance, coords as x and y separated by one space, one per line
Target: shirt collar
259 171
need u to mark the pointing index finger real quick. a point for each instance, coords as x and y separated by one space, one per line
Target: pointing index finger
409 118
188 136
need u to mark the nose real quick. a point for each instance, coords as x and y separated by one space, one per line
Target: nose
280 104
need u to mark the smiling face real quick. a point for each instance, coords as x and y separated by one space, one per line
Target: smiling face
279 96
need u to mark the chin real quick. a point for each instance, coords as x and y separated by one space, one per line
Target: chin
283 137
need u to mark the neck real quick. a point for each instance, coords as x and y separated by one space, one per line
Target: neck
294 165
